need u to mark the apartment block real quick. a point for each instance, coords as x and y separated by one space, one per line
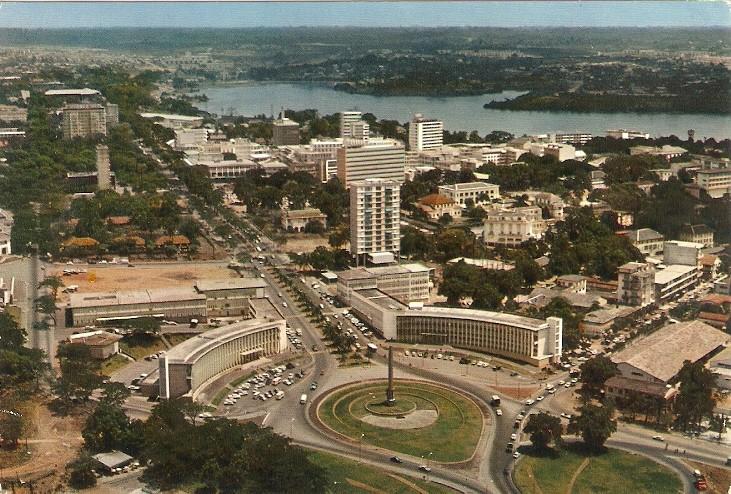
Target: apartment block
84 120
374 218
636 284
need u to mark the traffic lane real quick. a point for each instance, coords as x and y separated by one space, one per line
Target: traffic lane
408 468
133 370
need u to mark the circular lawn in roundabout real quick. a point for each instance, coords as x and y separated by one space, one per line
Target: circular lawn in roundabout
425 418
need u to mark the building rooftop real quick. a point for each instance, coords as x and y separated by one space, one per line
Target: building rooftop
481 315
229 284
671 272
435 200
603 316
95 338
150 295
304 213
643 235
171 116
644 387
113 459
72 92
469 186
663 353
190 350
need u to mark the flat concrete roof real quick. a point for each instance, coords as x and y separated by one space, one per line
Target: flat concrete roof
151 295
72 92
229 284
190 350
171 116
382 300
672 272
480 315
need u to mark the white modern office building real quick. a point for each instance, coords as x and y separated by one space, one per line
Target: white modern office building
346 118
406 282
534 341
194 362
374 218
425 133
383 158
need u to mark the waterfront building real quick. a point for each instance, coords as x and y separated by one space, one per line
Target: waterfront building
425 133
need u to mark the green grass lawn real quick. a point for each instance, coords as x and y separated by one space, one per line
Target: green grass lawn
113 364
452 438
141 346
613 472
340 469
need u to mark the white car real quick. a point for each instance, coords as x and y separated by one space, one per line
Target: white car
499 412
529 402
540 398
513 437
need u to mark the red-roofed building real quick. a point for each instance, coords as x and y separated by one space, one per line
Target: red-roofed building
436 205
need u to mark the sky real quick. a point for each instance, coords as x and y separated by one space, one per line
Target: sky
382 14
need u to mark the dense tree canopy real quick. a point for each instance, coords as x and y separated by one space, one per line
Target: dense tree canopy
543 429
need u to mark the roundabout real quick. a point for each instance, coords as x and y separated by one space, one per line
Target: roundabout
422 419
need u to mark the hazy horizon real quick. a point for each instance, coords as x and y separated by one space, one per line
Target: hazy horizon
365 14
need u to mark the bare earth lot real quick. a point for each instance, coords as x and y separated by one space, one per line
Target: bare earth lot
115 278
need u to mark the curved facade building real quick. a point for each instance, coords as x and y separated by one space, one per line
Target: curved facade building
535 341
185 367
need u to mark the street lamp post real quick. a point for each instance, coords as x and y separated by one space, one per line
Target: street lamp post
360 448
291 428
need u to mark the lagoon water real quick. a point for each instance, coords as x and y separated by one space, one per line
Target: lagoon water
457 112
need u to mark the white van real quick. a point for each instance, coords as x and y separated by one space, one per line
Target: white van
303 399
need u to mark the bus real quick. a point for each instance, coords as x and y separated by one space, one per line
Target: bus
372 348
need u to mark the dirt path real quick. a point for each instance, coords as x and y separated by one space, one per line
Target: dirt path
365 487
53 444
409 483
576 474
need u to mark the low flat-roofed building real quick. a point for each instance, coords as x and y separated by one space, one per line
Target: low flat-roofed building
534 341
101 344
10 113
619 388
112 460
80 93
194 362
598 321
173 121
263 308
405 282
666 152
230 297
674 280
174 304
484 263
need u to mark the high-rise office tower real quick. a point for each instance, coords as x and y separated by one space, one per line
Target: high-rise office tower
285 132
348 117
375 233
425 133
382 158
